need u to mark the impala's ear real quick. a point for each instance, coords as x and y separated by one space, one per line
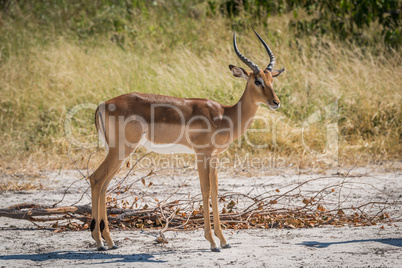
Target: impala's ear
276 73
239 72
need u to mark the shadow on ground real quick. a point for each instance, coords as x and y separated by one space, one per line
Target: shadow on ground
397 242
105 257
82 255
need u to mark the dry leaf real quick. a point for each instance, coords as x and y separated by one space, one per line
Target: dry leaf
231 204
340 212
161 240
384 216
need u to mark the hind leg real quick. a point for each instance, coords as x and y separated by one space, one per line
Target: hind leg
122 137
102 174
103 221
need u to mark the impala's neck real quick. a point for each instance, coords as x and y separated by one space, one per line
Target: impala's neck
242 113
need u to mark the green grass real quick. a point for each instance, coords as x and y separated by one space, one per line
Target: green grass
52 59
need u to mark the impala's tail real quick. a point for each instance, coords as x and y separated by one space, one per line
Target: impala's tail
100 124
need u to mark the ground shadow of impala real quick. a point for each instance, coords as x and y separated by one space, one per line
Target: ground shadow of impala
104 257
83 255
397 242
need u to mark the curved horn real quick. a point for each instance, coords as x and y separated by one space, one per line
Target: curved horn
271 64
248 62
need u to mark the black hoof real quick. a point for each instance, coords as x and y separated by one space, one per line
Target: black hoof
114 247
226 246
215 250
102 249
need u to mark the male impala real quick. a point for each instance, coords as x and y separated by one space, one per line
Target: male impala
175 125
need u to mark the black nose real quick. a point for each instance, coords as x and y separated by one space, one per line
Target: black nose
276 102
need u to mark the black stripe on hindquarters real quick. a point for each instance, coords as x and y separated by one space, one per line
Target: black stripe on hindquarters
102 227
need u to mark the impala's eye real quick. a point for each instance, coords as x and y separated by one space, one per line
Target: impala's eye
257 82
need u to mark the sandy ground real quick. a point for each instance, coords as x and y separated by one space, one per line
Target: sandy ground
22 244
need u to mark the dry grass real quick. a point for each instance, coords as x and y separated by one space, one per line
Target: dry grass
48 73
15 183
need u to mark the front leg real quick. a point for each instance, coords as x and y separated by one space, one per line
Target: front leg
203 172
213 176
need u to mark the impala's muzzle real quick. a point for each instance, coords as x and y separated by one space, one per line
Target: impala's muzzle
275 105
272 107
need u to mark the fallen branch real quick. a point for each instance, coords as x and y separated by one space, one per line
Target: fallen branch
30 212
294 208
155 218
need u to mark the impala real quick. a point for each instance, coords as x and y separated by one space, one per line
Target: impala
178 125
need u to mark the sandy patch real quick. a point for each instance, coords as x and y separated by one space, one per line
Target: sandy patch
22 244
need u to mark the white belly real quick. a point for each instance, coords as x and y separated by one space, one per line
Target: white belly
165 148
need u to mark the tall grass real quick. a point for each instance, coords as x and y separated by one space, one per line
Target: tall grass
51 63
